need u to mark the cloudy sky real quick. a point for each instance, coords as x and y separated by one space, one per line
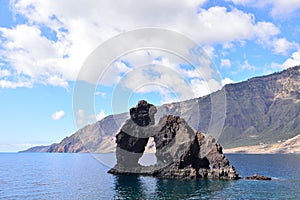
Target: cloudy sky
45 44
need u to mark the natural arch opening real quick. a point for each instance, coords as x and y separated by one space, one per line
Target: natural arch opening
149 157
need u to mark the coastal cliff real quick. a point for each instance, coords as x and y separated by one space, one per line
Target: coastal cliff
260 112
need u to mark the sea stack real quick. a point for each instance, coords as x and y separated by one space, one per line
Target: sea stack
181 152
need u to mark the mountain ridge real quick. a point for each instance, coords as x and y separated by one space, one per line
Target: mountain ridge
262 109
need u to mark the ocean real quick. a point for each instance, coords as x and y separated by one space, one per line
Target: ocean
83 176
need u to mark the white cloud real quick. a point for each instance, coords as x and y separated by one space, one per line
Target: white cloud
284 7
57 81
15 84
247 66
234 25
283 46
225 63
293 61
58 115
202 88
265 31
241 2
279 8
157 76
113 73
227 81
80 26
209 50
4 73
172 80
100 115
267 35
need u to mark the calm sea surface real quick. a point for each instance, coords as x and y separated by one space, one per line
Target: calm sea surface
82 176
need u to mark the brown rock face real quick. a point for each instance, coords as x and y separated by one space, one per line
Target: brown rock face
181 152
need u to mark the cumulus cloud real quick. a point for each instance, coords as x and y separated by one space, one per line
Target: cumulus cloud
279 8
283 7
79 27
15 84
247 66
265 31
100 115
58 115
293 61
226 81
173 79
202 88
152 78
113 73
283 46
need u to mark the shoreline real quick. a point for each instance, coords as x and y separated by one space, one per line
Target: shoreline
263 149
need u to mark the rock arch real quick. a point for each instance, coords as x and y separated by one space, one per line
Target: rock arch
181 152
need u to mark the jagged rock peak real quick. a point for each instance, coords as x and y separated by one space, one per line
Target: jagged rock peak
143 113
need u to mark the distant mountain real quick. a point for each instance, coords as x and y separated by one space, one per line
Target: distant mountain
37 149
260 110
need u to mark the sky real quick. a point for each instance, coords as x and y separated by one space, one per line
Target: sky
47 47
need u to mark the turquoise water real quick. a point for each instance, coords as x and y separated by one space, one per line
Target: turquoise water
81 176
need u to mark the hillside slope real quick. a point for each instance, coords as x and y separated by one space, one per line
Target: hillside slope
261 110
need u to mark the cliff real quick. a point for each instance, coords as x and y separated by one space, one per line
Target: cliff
260 110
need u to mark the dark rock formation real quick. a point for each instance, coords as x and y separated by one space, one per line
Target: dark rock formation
181 152
132 138
172 139
143 113
258 178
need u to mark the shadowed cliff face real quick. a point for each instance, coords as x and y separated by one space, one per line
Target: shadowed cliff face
180 151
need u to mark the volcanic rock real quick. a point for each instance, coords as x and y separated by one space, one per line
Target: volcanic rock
181 152
133 136
259 178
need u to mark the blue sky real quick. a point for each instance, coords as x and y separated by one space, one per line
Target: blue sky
43 46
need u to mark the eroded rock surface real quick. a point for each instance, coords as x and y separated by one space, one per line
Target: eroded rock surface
134 135
181 152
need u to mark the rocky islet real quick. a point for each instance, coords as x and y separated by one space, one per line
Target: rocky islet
181 152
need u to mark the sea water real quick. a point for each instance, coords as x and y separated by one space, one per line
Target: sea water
84 176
